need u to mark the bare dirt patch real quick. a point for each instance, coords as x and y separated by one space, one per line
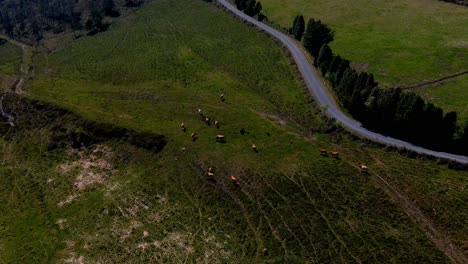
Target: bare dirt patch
68 200
460 44
75 260
91 168
361 67
282 121
61 223
181 246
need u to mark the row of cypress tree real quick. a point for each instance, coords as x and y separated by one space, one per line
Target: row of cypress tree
250 7
404 115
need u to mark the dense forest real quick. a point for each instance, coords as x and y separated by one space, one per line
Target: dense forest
31 19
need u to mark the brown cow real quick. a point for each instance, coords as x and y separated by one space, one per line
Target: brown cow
254 148
216 123
334 154
234 180
182 126
363 168
323 152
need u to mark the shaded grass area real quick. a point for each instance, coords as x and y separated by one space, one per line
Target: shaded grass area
453 95
10 57
170 59
30 114
401 42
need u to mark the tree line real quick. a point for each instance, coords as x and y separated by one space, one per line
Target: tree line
250 7
403 115
31 19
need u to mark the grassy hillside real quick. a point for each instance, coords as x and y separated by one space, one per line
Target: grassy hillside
401 42
112 202
10 57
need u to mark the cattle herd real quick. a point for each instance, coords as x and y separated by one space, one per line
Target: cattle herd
221 138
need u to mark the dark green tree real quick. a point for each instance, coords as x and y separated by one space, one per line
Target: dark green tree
409 109
298 27
258 8
346 87
335 63
450 126
250 7
344 65
462 145
431 126
324 59
316 35
110 8
381 106
407 116
357 98
370 82
361 82
241 4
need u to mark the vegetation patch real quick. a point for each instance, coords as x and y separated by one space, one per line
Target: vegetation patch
10 59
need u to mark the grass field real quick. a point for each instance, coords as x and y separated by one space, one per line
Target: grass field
10 58
114 203
449 94
401 42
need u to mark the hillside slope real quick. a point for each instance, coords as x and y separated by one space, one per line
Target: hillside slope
112 202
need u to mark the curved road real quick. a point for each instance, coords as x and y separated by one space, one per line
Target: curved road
320 93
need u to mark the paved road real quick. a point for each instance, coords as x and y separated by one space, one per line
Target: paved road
319 91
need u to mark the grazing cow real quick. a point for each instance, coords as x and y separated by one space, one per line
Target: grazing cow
182 126
207 121
323 152
265 251
334 154
254 148
220 138
200 113
210 174
222 97
194 136
234 181
210 169
216 123
363 168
